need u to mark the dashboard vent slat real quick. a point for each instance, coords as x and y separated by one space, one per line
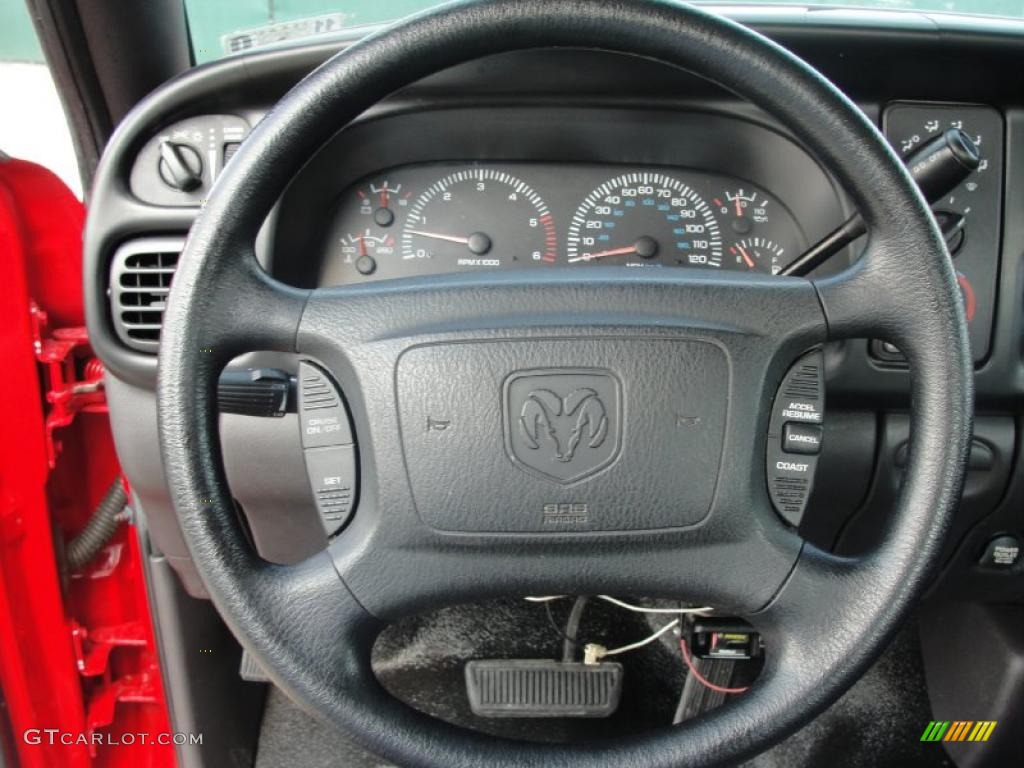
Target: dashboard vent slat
141 272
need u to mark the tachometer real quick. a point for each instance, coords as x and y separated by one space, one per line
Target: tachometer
644 218
478 218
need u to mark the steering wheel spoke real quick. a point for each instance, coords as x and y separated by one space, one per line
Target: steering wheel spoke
872 297
243 308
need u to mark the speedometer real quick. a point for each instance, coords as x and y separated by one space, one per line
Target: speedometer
644 218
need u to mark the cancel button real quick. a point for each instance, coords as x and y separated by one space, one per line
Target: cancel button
801 438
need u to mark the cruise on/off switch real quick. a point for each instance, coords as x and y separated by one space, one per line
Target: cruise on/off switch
328 446
795 436
322 416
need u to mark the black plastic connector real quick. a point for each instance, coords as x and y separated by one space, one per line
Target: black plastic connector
732 639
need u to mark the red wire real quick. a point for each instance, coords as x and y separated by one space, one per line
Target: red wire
699 677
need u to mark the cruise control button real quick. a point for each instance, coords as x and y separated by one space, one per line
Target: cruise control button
322 416
332 476
1002 552
801 438
794 436
789 482
801 395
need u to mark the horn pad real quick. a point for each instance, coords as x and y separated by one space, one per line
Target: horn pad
563 435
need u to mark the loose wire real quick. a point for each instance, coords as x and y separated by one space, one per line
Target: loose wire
644 609
699 677
627 606
641 643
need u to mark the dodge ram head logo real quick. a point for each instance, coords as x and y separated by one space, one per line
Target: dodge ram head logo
564 420
562 424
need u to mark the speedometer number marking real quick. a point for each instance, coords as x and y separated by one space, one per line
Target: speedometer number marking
644 218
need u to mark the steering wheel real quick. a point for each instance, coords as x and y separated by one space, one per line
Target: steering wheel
693 340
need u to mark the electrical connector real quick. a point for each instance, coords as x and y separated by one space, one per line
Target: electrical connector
593 653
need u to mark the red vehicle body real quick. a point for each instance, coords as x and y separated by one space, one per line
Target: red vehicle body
78 662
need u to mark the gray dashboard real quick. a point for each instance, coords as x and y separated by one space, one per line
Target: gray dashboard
561 124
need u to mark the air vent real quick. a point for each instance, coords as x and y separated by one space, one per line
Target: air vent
140 279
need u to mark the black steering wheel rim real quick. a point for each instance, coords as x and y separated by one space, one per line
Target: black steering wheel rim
313 631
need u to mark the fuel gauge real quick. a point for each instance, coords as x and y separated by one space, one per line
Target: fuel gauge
758 254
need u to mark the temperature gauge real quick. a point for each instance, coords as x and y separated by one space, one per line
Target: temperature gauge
363 250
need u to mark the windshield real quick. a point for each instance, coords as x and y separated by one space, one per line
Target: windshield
234 26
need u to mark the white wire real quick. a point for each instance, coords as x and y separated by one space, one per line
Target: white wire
642 609
642 643
627 606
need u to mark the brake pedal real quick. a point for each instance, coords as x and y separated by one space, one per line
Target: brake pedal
542 688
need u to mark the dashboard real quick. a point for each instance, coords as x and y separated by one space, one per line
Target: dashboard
565 160
556 159
427 219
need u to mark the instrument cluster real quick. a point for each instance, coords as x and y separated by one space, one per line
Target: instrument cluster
442 218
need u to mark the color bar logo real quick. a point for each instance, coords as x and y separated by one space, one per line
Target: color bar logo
958 730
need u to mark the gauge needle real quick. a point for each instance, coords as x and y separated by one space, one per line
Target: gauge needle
362 245
746 256
438 236
613 252
739 209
